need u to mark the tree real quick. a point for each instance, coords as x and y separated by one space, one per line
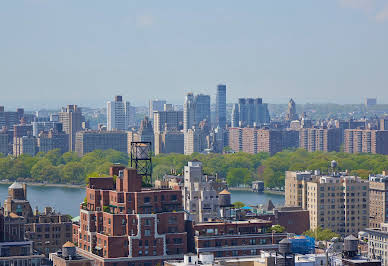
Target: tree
237 176
74 172
238 204
321 234
278 228
44 171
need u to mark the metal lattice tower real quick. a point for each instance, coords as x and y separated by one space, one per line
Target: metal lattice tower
141 152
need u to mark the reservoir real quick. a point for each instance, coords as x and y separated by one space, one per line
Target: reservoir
67 200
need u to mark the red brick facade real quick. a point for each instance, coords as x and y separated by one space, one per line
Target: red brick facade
123 224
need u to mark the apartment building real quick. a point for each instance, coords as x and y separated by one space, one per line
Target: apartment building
378 200
47 231
320 139
235 238
366 141
88 141
122 223
378 243
200 193
337 202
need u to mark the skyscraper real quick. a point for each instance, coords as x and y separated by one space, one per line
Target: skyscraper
155 105
189 112
120 115
221 106
291 111
71 119
202 108
252 112
235 115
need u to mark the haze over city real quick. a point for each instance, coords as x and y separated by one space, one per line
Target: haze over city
59 52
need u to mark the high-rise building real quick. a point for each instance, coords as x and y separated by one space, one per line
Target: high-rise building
38 127
320 139
252 140
169 142
194 141
71 118
221 106
120 115
170 120
4 143
252 112
200 193
90 140
25 145
146 133
202 108
366 141
378 200
52 140
189 112
155 105
336 202
8 119
235 116
124 224
291 111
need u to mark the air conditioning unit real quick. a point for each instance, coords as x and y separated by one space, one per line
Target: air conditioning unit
98 208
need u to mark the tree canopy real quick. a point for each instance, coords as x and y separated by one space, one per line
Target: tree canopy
321 234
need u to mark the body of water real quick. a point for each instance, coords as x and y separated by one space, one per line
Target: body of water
67 200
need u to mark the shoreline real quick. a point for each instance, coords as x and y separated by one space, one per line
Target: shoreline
36 184
248 189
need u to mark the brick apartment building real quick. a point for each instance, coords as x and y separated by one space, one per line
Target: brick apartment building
122 223
48 230
253 140
235 238
367 141
320 139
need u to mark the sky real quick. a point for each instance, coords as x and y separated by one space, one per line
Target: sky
54 53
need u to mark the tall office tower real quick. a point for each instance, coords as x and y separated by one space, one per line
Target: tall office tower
344 213
146 133
221 106
128 224
71 118
252 112
200 196
202 108
291 111
120 115
235 116
155 105
320 139
170 120
189 112
366 141
88 141
130 115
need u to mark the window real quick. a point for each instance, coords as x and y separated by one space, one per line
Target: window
147 199
147 232
147 222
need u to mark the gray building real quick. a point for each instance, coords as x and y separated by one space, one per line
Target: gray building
71 118
155 105
252 112
170 120
169 142
221 106
40 126
200 193
189 112
4 143
202 108
88 141
25 145
52 140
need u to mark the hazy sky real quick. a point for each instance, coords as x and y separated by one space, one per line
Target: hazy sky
84 52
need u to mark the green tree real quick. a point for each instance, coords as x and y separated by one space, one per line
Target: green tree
237 176
321 234
44 171
278 228
74 172
238 204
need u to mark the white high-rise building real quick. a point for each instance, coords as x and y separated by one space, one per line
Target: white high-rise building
120 115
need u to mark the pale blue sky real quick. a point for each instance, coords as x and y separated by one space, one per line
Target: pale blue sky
85 52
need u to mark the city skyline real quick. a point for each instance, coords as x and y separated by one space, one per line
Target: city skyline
166 50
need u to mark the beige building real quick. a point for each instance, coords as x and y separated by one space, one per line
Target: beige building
367 141
378 243
25 145
337 202
378 200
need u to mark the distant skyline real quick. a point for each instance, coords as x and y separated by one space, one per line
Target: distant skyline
55 53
